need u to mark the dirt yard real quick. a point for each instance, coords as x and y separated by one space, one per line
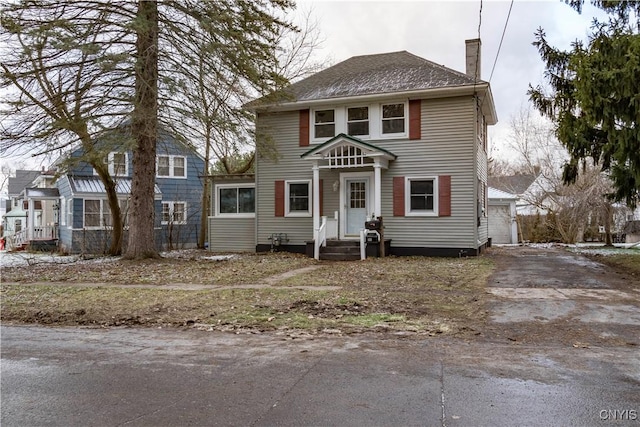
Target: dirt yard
520 295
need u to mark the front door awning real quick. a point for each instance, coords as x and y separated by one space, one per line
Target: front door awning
344 151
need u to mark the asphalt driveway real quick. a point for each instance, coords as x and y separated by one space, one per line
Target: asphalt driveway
551 295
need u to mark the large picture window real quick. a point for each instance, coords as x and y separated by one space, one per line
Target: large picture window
97 213
423 196
237 200
298 198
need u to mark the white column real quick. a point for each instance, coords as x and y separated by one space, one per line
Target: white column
316 200
377 187
31 219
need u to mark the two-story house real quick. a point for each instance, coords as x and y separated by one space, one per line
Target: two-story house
390 135
83 218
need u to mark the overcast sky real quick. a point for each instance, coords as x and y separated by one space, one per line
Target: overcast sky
437 30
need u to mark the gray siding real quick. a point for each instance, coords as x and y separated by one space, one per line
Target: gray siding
232 234
229 233
447 147
283 128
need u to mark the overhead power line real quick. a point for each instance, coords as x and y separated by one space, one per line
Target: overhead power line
504 30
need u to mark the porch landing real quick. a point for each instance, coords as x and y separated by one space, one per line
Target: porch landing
346 250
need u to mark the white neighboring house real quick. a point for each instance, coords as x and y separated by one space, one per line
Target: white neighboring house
503 227
531 190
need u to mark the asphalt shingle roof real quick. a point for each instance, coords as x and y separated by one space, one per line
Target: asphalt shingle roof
374 74
23 179
514 184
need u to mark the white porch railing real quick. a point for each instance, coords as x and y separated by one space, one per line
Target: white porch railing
363 244
39 233
321 240
45 233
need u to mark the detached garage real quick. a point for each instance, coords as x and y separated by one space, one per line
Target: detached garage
503 228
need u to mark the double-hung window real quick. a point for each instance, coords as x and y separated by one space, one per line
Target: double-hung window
422 200
393 118
236 200
324 123
117 164
358 121
171 167
298 198
174 213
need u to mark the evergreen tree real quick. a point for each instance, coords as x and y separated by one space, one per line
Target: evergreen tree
594 97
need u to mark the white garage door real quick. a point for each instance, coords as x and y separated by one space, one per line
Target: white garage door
500 224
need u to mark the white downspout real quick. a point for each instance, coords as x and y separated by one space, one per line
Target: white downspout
316 200
377 187
32 218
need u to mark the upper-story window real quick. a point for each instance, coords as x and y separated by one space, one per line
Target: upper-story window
324 124
171 167
358 121
118 164
374 121
393 118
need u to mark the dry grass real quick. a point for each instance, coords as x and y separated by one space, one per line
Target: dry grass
417 294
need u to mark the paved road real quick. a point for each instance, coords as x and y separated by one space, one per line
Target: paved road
151 377
158 377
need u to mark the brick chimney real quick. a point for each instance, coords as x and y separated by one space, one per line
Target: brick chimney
473 59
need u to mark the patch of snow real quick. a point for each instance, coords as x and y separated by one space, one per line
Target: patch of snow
218 257
21 259
600 249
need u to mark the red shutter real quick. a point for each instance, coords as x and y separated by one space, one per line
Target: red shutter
304 128
444 195
398 196
279 198
321 197
415 119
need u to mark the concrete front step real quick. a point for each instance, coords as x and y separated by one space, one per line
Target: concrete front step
339 257
340 250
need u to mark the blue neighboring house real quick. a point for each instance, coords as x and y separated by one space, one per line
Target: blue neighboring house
84 216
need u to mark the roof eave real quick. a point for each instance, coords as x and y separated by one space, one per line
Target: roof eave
440 92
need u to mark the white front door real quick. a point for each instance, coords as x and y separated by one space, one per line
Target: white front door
356 204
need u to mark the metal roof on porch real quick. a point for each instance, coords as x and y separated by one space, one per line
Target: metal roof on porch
93 185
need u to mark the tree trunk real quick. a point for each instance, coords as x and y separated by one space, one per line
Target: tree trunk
145 130
204 217
608 219
115 248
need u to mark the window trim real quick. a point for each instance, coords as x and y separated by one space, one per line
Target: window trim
404 134
407 199
368 121
312 124
217 213
104 207
171 212
110 164
374 110
172 174
287 210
